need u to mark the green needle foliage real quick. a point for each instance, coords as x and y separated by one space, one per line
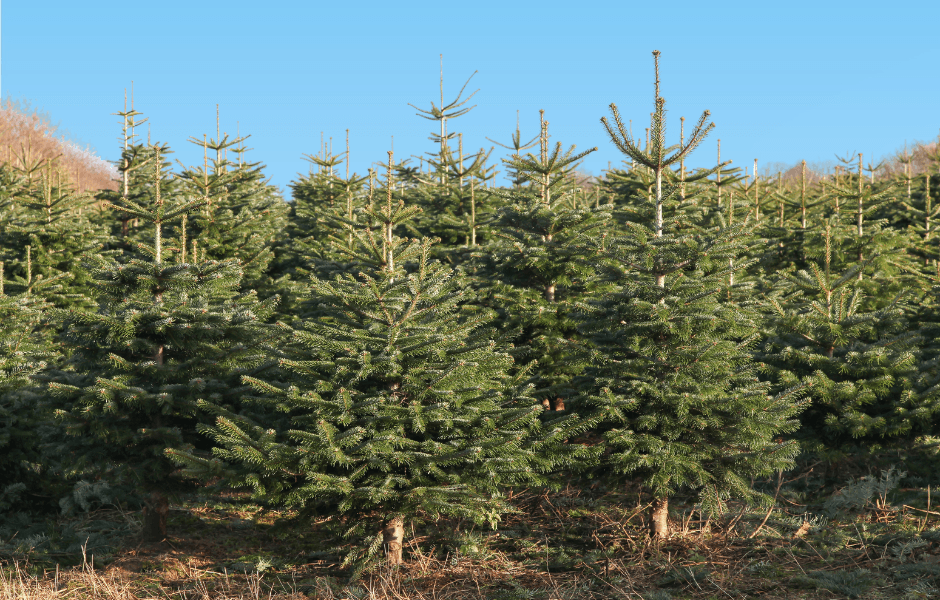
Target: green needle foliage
530 273
675 382
517 146
397 405
24 352
382 351
241 216
165 335
442 114
136 184
453 210
861 357
324 206
56 227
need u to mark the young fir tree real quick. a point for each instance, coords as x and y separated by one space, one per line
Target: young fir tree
55 226
453 209
322 201
25 350
843 228
718 195
242 216
166 334
442 114
859 353
675 382
919 213
398 402
136 182
788 242
517 146
444 193
530 274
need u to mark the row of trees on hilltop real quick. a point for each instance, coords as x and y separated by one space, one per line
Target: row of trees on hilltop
397 346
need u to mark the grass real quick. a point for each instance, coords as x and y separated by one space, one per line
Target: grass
577 543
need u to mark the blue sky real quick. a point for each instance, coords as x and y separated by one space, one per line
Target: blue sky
783 81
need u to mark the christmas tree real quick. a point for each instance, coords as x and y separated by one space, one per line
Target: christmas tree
242 216
858 350
529 272
25 350
398 402
322 203
136 182
166 334
453 207
55 226
675 382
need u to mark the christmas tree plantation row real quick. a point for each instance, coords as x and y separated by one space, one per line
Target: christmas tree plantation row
406 345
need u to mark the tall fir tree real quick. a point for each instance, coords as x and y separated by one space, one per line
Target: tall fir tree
26 349
398 402
529 272
166 333
675 382
242 216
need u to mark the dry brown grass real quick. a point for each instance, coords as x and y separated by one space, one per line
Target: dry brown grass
218 546
87 583
422 580
27 137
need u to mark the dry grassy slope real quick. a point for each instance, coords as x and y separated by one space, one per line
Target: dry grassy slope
573 544
28 135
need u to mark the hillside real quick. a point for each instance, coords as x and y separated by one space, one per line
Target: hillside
28 136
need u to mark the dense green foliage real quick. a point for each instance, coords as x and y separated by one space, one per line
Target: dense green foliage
671 370
164 335
383 351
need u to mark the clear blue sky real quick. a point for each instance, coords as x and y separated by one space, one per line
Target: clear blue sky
783 81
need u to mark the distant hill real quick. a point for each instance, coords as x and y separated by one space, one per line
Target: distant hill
27 134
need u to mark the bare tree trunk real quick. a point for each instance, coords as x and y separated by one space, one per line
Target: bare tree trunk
659 518
392 537
156 509
660 277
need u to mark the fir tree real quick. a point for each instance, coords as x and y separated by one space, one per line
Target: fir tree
860 354
789 241
675 381
530 274
454 209
398 402
322 202
444 193
838 299
517 146
242 215
136 182
165 335
55 226
25 351
442 114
